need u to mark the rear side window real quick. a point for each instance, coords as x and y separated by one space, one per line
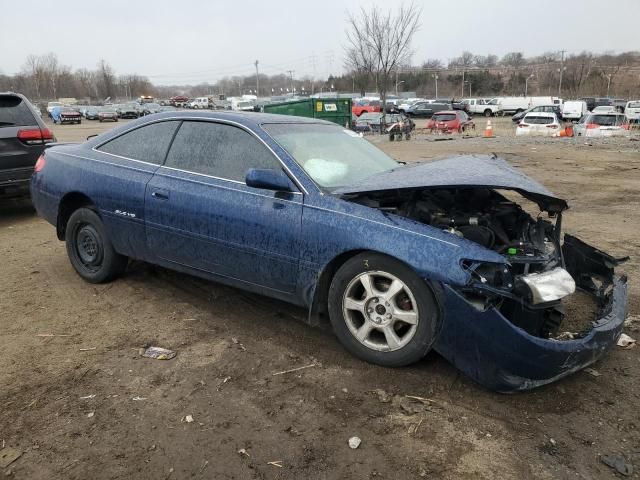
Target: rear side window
219 150
538 119
15 112
147 144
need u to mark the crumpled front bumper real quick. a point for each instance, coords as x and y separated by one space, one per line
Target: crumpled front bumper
492 351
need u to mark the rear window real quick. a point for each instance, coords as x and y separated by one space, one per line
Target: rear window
634 105
606 120
15 112
538 119
444 117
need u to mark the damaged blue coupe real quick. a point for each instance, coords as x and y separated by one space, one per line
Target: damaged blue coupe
464 256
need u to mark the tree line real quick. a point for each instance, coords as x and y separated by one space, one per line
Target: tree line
44 77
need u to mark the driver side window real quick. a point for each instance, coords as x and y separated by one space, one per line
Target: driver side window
219 150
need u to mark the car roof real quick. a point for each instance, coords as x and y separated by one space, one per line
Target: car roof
446 111
541 114
244 118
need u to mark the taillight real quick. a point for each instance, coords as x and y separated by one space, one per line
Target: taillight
35 136
592 125
40 164
522 125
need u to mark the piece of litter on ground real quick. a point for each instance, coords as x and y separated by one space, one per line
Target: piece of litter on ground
187 418
87 349
276 463
159 353
294 369
593 372
91 414
625 341
242 451
354 442
53 335
137 399
87 397
566 336
344 390
618 463
8 456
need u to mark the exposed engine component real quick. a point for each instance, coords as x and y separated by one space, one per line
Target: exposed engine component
530 290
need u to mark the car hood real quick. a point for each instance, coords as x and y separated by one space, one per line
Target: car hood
463 171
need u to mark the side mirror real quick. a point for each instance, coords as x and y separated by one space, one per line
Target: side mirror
269 179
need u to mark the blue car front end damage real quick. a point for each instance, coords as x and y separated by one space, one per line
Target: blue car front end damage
491 349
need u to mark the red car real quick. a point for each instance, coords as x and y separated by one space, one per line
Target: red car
365 106
450 121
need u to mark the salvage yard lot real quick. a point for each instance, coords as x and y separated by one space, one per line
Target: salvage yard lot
85 404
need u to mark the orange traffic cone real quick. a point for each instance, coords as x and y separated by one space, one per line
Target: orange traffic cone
488 131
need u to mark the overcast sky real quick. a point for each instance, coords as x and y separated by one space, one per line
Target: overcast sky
195 41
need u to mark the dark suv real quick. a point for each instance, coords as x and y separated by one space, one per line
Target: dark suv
23 136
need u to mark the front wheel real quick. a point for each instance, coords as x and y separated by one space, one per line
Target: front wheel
488 113
382 311
90 250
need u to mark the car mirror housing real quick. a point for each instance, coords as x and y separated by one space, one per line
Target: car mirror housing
269 179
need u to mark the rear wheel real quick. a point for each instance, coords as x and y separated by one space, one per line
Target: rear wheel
382 311
488 113
90 250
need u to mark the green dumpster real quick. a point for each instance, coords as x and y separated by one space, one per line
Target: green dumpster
336 110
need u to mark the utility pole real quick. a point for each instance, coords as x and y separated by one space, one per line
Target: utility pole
257 80
562 52
290 72
462 89
435 76
608 82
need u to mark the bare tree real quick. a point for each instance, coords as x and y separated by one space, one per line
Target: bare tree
381 41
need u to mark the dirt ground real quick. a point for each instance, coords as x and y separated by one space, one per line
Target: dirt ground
83 404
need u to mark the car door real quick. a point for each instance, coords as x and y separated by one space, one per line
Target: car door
201 214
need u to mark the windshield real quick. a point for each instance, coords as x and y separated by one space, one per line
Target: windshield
493 101
538 119
331 156
633 105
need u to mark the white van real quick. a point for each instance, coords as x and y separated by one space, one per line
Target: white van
520 104
574 110
632 111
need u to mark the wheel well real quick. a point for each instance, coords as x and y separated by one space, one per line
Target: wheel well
318 313
69 204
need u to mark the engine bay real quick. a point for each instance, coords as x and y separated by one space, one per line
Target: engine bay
529 291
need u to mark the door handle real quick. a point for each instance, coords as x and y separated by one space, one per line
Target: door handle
160 194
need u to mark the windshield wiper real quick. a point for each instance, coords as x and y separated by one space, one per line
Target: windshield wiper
6 124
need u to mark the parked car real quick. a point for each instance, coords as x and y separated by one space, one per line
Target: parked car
129 110
602 125
178 100
92 113
107 114
605 109
632 111
66 115
543 108
23 137
545 124
450 121
480 106
511 105
200 102
403 259
406 103
365 106
590 101
426 109
150 108
52 105
372 122
574 110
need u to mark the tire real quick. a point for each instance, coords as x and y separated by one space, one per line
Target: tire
89 249
488 113
407 136
100 120
392 137
386 340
